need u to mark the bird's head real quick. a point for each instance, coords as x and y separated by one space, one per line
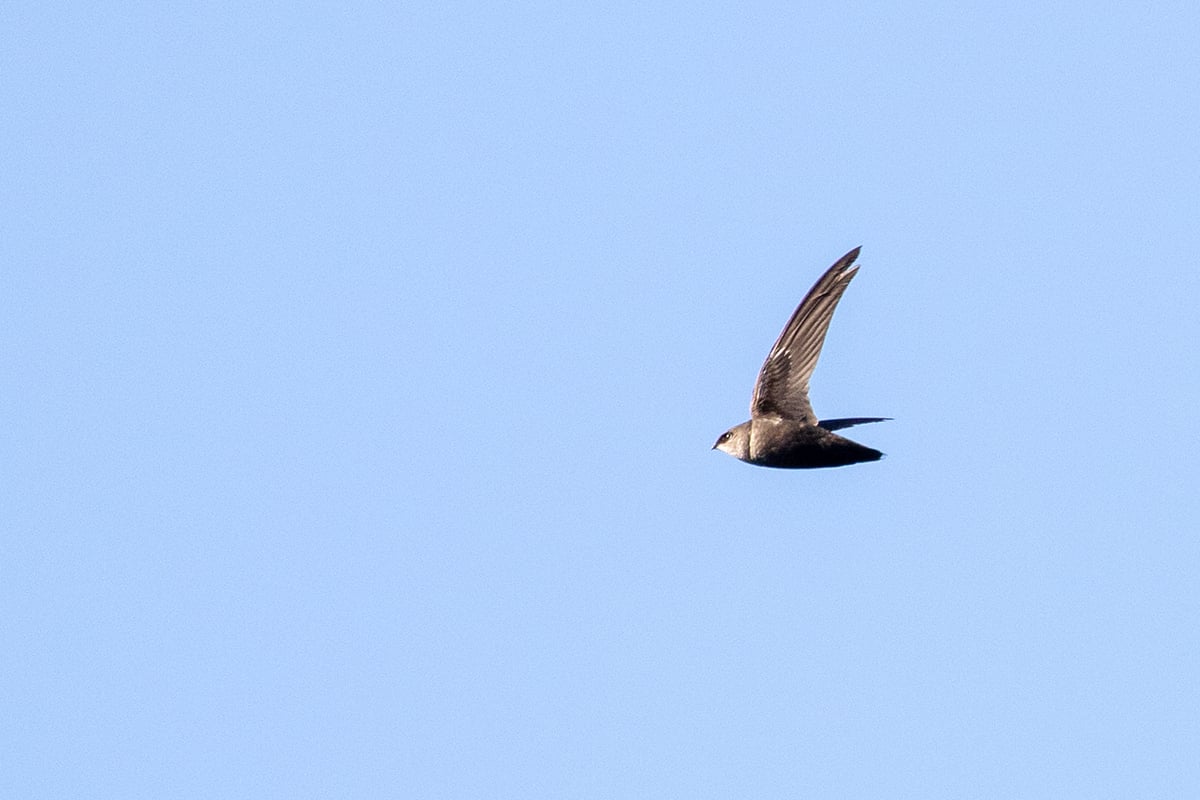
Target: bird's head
735 441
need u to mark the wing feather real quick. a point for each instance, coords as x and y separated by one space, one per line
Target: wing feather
782 386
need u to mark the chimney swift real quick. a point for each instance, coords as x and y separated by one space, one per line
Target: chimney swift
782 430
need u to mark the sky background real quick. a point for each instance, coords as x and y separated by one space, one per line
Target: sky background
361 362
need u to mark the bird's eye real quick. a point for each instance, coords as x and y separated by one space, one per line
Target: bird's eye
724 437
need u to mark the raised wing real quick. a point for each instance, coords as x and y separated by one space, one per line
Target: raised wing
782 387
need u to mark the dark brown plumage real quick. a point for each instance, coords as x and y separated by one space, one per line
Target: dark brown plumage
782 430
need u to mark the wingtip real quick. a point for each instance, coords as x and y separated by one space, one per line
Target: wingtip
845 261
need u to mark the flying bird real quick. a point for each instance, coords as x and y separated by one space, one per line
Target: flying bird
782 430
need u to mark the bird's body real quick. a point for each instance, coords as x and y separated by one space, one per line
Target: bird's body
782 430
775 442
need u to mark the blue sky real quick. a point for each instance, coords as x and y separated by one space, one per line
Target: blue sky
361 365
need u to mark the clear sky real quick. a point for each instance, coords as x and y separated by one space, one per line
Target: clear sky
361 363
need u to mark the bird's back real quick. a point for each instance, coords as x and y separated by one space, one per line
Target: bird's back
790 445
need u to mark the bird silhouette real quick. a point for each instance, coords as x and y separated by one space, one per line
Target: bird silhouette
782 430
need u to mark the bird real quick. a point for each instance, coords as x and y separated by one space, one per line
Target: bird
782 430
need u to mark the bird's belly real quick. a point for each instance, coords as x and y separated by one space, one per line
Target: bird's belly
805 447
